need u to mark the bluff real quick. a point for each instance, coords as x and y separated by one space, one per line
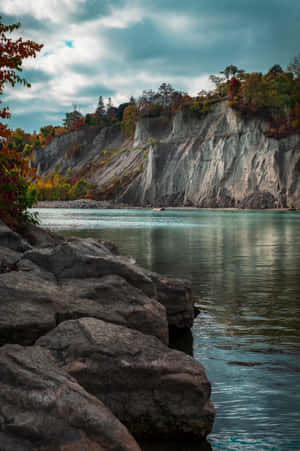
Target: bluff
219 160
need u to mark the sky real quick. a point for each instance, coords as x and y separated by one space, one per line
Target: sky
117 48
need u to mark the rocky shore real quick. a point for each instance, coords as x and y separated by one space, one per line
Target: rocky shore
81 203
84 357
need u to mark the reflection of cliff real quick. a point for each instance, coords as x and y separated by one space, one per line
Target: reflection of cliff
218 161
252 280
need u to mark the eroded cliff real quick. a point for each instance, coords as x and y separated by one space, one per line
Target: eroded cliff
221 160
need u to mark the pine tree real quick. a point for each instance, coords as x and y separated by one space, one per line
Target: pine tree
100 111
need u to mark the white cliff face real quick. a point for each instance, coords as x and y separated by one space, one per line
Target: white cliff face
221 160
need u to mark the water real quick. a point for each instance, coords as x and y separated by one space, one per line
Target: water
245 270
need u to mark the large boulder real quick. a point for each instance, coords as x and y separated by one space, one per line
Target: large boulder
80 260
111 298
42 408
153 390
176 296
32 303
27 307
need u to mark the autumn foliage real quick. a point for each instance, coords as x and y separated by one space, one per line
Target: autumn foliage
15 171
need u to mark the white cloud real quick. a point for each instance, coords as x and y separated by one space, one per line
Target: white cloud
54 10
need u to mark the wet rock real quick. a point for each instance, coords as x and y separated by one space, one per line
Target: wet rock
42 408
155 391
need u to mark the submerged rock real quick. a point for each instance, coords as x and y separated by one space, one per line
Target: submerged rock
153 390
42 408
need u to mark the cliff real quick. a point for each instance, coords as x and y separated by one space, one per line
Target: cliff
221 160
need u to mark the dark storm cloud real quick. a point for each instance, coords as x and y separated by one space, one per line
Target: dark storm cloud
35 75
94 91
256 34
93 9
27 21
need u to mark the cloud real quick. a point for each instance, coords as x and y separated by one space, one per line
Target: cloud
120 47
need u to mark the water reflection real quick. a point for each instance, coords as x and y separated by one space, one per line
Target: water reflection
245 272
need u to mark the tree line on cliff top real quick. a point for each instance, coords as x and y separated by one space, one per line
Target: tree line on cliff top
274 96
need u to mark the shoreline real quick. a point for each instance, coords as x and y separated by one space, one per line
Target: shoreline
106 205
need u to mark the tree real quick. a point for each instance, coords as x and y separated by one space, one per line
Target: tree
165 92
111 111
100 111
15 171
275 70
130 117
294 66
12 54
229 71
71 118
234 88
219 83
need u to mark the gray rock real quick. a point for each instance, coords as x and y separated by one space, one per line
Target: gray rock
155 391
112 299
32 302
11 240
8 259
39 237
42 408
176 296
26 307
73 261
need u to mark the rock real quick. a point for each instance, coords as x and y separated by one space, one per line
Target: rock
8 259
11 240
112 299
258 200
175 446
155 391
74 260
176 296
42 408
39 237
26 307
32 303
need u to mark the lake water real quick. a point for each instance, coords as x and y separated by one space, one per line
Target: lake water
245 271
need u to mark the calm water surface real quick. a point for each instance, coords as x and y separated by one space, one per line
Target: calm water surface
245 270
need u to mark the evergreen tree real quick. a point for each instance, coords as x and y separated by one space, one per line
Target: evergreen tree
100 111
